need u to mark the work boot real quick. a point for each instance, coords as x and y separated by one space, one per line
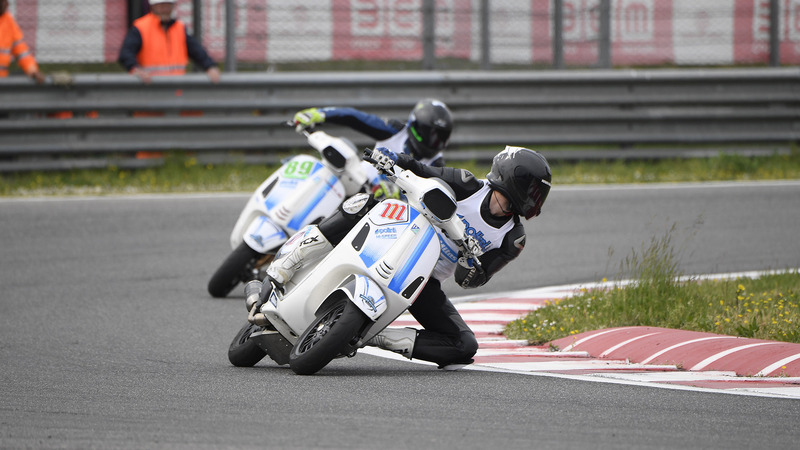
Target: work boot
398 340
306 243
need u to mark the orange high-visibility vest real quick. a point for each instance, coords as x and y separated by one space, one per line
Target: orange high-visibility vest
11 43
162 52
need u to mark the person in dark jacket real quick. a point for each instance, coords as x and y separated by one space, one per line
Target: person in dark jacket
158 45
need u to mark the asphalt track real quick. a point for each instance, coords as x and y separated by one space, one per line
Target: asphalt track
109 339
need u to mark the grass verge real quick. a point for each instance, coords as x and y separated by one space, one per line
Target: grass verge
657 295
183 173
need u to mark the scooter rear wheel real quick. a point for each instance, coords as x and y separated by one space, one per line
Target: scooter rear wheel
236 268
331 334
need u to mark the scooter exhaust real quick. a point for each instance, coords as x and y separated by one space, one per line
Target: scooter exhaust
252 291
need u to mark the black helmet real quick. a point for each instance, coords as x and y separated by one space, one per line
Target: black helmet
524 177
429 126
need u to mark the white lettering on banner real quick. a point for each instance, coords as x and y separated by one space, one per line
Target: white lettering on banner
405 18
392 29
640 30
793 21
580 20
365 18
636 20
396 18
751 43
760 20
789 20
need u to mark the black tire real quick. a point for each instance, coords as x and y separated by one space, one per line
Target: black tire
243 352
331 334
236 268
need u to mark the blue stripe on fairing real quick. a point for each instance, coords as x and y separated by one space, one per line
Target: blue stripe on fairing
368 257
300 218
413 213
400 277
371 254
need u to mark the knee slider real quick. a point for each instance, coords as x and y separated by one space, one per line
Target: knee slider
468 345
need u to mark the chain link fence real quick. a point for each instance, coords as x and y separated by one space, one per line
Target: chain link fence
478 33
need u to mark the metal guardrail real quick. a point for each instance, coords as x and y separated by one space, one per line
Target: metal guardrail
246 111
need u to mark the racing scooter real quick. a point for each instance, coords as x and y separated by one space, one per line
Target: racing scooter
337 302
304 190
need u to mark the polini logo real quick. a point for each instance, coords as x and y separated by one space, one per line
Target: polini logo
386 233
478 235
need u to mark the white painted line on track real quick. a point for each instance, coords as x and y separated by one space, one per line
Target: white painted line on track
777 365
622 344
589 338
704 363
673 347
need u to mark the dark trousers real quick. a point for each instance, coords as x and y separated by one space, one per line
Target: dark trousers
445 338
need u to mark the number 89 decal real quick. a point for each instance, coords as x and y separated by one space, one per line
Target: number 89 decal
296 169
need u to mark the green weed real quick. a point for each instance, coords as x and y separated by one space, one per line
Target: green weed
658 295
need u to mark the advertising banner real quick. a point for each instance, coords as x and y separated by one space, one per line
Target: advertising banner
751 37
393 29
643 32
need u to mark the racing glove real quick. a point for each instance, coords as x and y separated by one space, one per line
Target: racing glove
468 274
307 118
384 190
384 158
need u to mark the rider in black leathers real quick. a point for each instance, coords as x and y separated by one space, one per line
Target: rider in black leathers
424 135
517 185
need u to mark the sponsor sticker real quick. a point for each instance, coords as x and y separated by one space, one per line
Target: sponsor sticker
386 233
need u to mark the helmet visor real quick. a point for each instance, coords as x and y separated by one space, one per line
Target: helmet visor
536 191
427 141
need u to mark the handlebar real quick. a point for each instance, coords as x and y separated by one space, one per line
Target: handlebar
468 247
299 130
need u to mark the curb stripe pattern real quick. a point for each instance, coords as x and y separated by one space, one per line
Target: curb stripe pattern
602 355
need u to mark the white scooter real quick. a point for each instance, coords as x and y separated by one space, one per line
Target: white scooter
304 190
335 304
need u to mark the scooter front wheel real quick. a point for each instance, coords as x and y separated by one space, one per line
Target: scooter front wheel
331 334
237 267
243 352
